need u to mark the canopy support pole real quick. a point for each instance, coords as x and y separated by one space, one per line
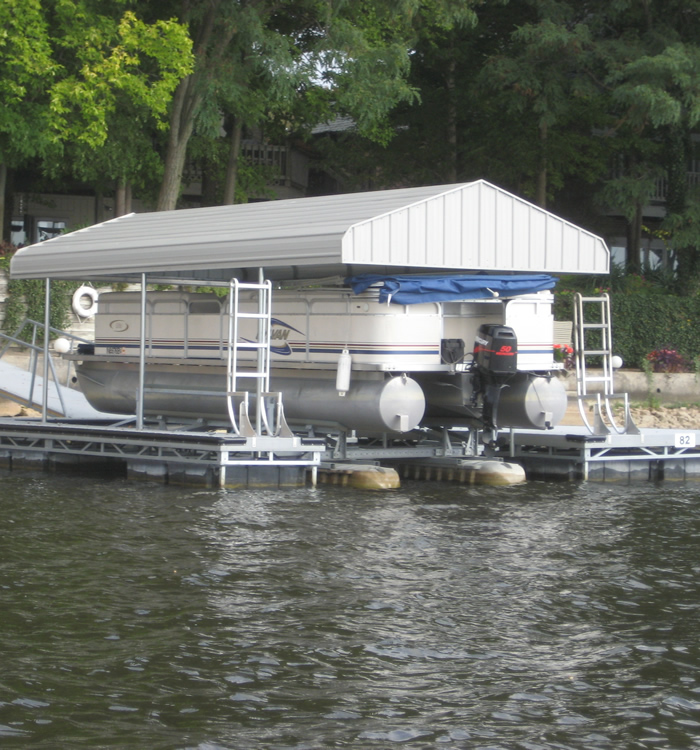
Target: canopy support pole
263 357
142 356
47 336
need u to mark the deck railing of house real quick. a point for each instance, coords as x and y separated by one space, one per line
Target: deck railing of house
661 187
285 163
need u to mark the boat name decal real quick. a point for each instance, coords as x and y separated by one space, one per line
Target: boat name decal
279 332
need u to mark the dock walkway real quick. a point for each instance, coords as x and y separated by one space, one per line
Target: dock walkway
27 389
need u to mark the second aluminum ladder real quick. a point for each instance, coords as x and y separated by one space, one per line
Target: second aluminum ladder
593 340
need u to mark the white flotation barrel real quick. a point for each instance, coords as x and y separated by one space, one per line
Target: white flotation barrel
342 378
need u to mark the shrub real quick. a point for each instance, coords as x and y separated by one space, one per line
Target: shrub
668 360
641 325
26 299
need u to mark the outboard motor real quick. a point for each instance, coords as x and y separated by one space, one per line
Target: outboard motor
495 360
496 349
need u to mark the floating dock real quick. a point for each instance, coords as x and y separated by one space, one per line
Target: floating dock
170 456
225 460
72 436
573 453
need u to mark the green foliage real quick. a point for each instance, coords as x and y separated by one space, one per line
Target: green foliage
530 94
26 298
117 62
627 192
647 318
642 325
27 70
652 400
652 327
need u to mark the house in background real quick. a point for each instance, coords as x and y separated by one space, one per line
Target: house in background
654 251
294 174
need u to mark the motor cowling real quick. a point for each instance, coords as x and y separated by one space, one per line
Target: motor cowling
496 349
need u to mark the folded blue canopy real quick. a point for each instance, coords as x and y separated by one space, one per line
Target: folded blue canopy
410 290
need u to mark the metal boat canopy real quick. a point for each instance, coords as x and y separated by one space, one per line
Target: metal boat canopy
472 227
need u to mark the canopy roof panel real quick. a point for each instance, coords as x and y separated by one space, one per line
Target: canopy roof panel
467 227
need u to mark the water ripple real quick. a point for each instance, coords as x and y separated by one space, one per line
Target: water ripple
539 616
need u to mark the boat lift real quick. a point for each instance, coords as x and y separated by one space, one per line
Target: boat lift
469 227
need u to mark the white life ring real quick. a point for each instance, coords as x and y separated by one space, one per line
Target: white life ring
78 308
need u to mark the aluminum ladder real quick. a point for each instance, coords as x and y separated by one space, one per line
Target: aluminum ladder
269 412
592 316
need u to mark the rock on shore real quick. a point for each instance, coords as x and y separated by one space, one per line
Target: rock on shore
12 409
672 417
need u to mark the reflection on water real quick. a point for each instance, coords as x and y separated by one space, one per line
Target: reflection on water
536 616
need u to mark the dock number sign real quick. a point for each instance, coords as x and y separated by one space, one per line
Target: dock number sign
684 440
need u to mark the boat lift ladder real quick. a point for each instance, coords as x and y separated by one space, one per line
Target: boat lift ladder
269 411
593 340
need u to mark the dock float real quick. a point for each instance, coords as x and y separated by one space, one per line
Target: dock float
356 476
492 472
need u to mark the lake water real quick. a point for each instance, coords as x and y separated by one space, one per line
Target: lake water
547 615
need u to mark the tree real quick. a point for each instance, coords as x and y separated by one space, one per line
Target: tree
652 79
261 60
421 135
117 92
543 94
89 90
500 99
27 71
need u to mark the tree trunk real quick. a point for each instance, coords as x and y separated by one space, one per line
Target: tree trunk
232 165
541 189
451 123
676 206
185 105
187 101
3 185
120 198
634 241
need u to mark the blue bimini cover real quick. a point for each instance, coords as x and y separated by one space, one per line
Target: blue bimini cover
411 290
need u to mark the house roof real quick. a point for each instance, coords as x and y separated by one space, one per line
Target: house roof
473 226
